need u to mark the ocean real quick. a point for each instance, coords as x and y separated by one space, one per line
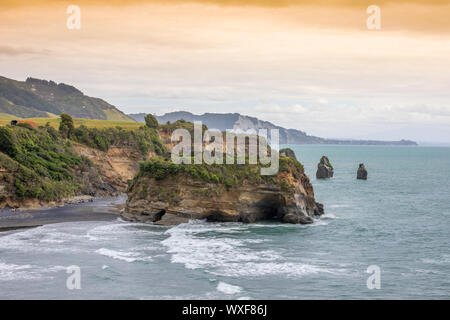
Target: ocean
398 221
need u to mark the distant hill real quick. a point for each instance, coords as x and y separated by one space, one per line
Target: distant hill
236 121
42 98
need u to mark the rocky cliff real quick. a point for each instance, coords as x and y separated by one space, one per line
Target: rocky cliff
166 193
117 166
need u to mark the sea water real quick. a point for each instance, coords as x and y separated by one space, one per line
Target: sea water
397 220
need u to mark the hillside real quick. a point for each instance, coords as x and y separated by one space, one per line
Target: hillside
42 165
237 121
41 98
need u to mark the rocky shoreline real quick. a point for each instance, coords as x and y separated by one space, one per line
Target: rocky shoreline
34 204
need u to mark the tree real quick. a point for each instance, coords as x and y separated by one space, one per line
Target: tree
7 144
150 121
66 126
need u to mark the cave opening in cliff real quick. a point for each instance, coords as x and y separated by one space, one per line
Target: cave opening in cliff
266 209
159 215
271 207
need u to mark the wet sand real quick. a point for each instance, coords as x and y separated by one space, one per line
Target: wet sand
102 209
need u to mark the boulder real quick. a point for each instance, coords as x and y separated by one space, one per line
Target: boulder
324 169
362 172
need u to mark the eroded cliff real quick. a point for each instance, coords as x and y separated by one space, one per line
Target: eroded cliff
166 193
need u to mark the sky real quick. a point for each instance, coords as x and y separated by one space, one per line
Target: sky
308 65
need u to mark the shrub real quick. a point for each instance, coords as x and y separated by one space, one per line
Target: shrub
227 175
66 126
6 142
150 121
42 165
144 139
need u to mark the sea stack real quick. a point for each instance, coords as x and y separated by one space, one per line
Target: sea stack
362 172
324 169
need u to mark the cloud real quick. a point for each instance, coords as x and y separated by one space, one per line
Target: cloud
15 51
418 16
224 3
312 68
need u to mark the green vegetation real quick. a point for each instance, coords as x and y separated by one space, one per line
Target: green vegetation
54 121
101 134
40 164
180 124
287 152
144 139
229 175
150 121
66 126
291 165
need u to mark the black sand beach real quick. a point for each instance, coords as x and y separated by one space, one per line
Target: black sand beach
103 209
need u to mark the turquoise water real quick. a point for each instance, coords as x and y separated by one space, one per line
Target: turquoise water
398 220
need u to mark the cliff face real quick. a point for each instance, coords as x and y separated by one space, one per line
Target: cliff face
177 198
116 166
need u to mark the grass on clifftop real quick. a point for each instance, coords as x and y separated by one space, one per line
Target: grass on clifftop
5 119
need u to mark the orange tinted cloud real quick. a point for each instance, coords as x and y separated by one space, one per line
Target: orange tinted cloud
257 3
204 57
401 15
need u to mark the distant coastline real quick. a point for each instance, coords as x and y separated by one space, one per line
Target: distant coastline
236 121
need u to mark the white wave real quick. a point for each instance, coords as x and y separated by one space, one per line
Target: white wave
63 237
228 288
251 269
273 225
14 272
114 231
56 268
228 256
443 259
317 223
121 255
11 271
339 206
188 246
328 216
